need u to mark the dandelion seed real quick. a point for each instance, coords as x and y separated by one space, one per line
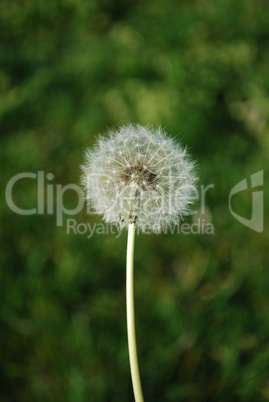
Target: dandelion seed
139 164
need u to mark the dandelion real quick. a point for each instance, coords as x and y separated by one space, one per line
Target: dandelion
138 177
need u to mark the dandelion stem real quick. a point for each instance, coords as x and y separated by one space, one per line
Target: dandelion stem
131 316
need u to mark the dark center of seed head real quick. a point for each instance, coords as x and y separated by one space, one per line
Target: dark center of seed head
143 176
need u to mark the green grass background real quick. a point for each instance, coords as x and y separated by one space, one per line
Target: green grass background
68 70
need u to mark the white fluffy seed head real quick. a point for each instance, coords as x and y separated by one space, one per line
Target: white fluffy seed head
138 175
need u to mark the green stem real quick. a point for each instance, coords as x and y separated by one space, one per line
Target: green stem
131 316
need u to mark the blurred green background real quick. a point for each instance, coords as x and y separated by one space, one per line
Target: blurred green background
70 69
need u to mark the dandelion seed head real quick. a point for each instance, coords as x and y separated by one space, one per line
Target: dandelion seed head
139 175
